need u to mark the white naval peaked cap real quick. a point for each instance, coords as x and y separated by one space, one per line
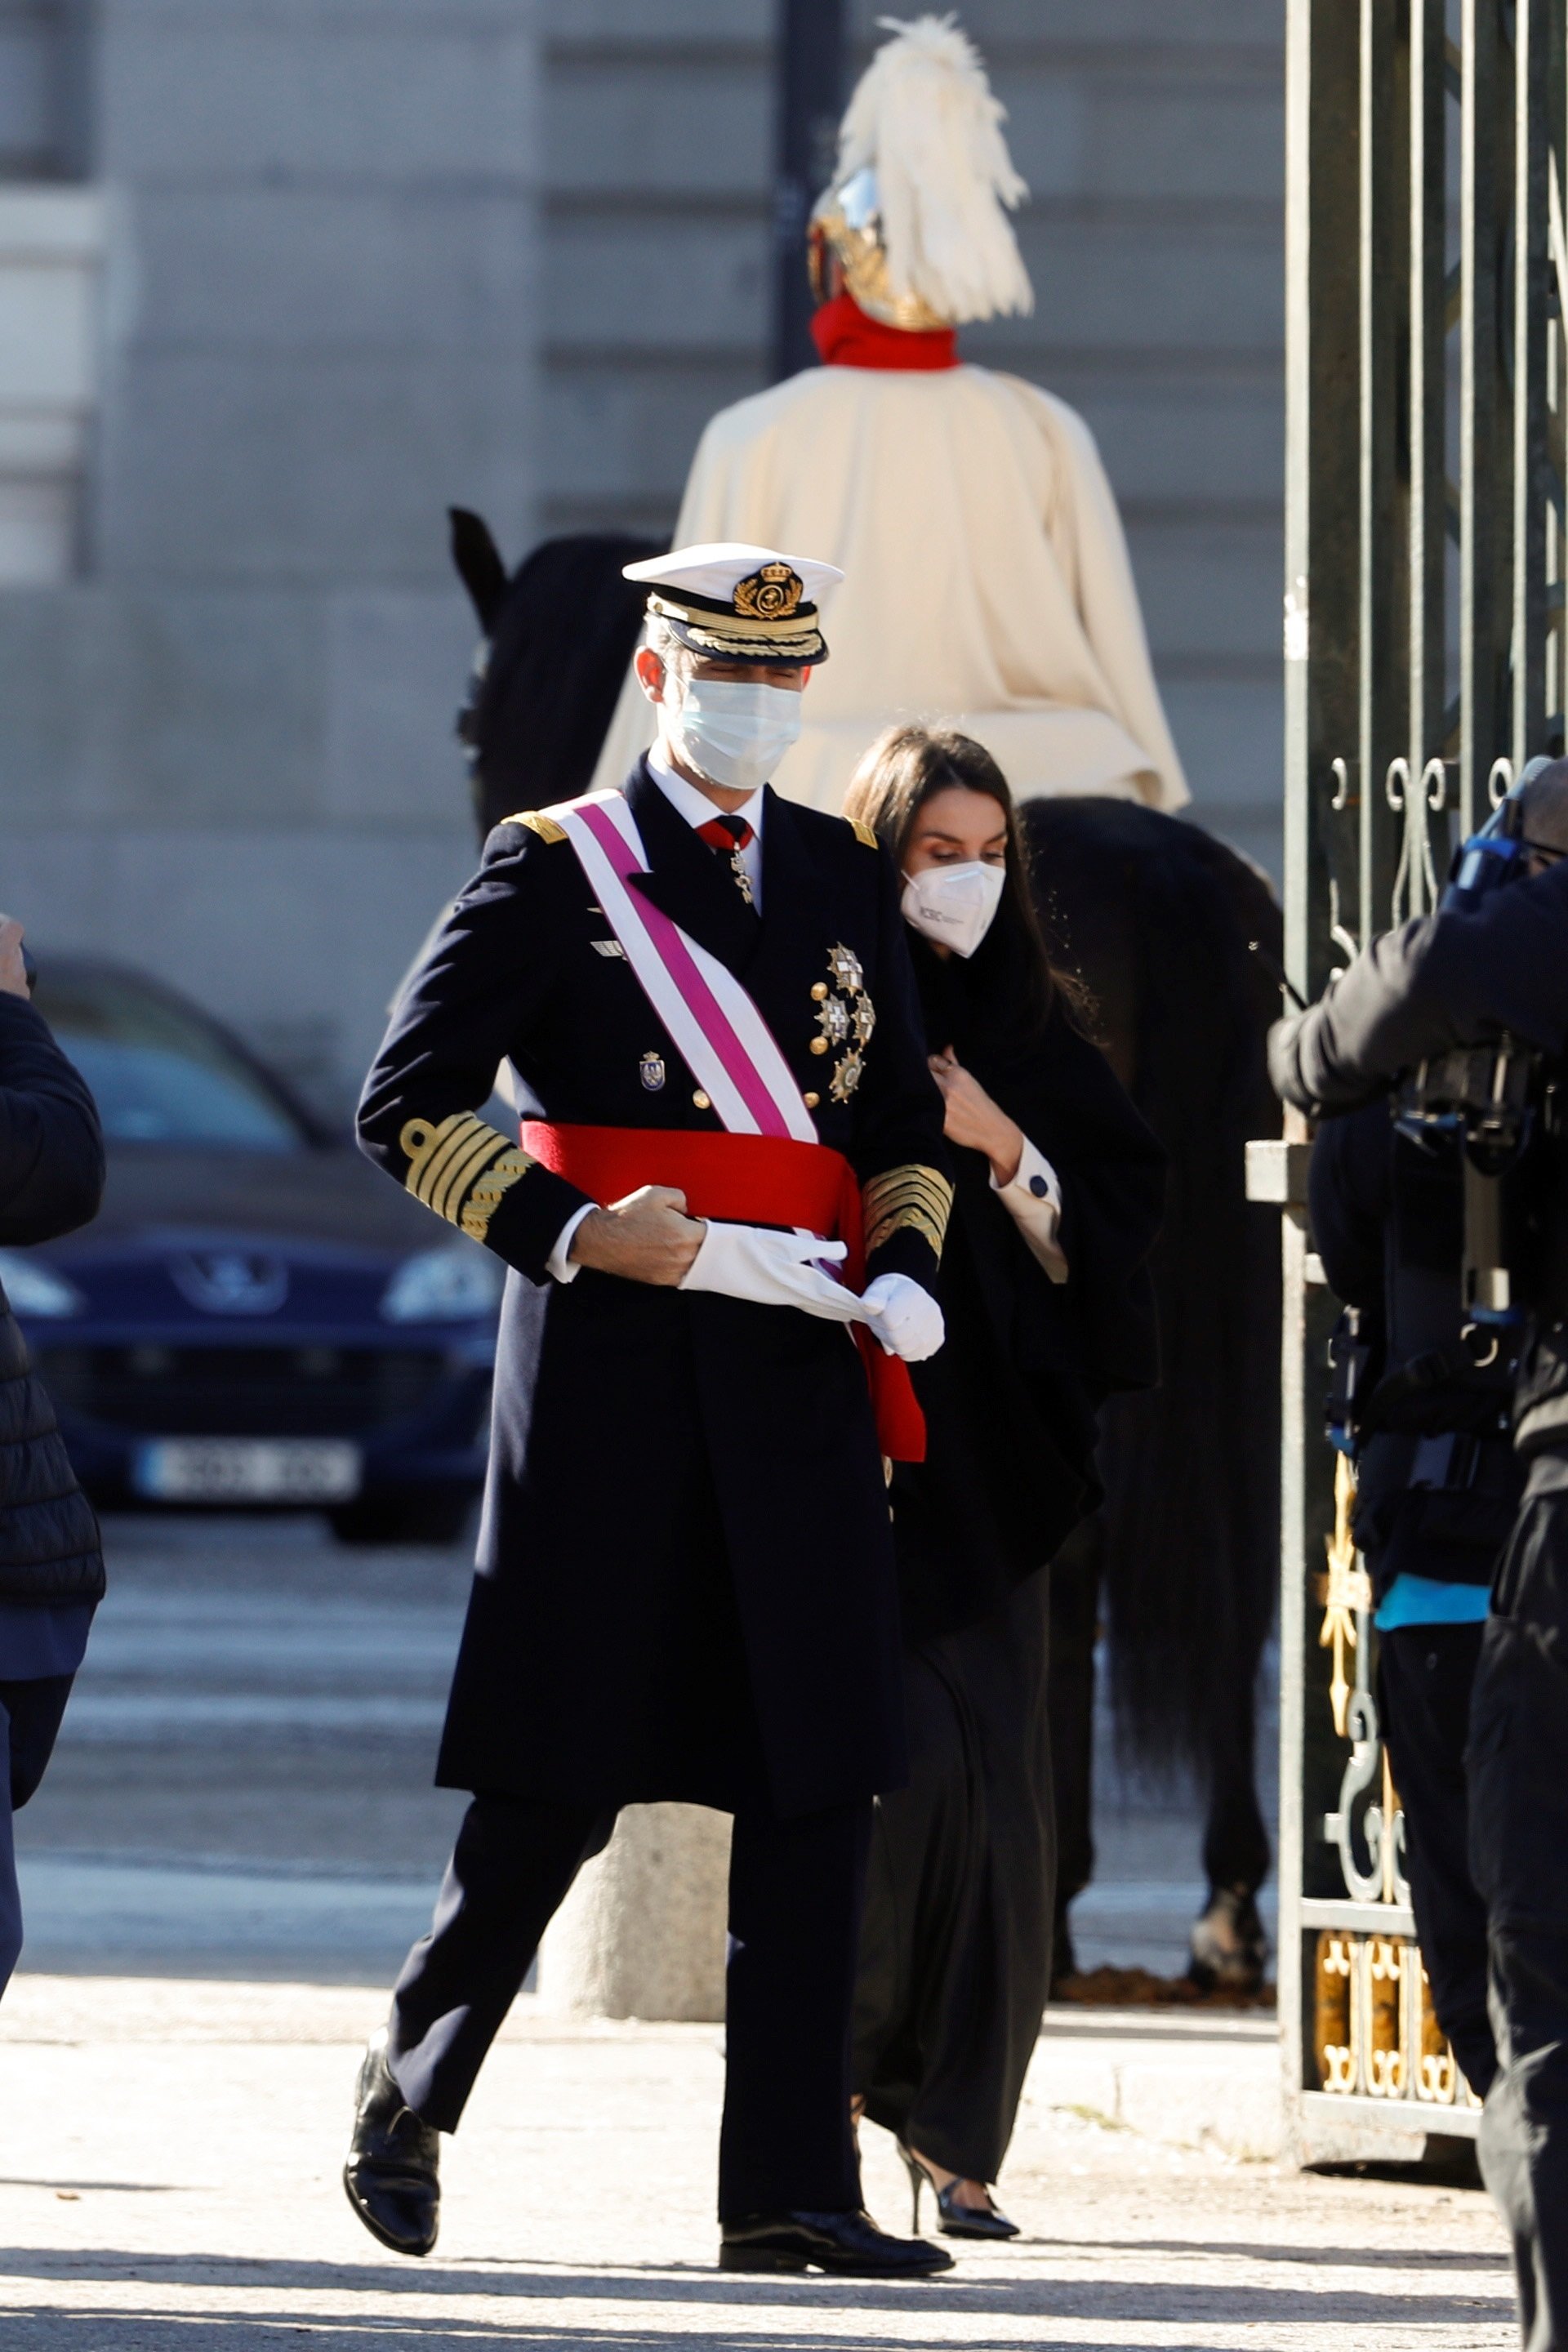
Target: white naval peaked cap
717 570
740 602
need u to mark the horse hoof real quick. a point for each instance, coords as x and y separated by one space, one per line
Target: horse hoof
1228 1946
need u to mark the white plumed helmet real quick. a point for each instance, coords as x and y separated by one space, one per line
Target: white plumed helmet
917 210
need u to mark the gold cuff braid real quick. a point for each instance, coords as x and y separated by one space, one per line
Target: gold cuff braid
913 1196
461 1168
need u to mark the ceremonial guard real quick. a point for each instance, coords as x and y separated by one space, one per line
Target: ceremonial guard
988 584
723 1219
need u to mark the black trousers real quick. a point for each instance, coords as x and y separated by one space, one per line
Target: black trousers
30 1714
796 1888
1426 1675
1519 1859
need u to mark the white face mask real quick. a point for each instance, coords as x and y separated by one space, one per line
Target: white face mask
954 905
734 735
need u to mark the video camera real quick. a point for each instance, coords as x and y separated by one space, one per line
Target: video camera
1489 1096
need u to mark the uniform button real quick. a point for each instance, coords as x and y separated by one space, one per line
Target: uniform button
811 1101
819 1045
699 1101
819 992
1039 1188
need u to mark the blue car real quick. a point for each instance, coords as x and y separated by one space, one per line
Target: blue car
258 1318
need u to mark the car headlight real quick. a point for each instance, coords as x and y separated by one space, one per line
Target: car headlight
35 1288
449 1284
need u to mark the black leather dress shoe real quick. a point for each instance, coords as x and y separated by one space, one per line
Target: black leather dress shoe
393 2173
850 2244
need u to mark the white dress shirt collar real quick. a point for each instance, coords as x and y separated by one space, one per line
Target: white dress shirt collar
698 809
695 806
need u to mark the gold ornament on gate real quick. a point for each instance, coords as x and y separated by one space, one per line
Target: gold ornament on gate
1347 1592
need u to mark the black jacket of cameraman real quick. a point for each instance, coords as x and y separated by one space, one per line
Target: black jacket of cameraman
51 1179
1438 1482
1467 979
1452 980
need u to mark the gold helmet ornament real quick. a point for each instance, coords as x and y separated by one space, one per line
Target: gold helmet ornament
917 212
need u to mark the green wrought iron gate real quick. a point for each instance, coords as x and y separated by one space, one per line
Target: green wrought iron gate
1426 285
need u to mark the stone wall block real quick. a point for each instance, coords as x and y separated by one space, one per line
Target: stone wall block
226 95
657 128
273 929
657 285
308 271
1142 28
1210 588
642 1933
272 467
397 668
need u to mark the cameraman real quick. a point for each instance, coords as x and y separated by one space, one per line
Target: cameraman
51 1569
1447 980
1437 1489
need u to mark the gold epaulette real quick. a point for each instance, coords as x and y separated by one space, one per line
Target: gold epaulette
461 1168
913 1196
544 826
864 833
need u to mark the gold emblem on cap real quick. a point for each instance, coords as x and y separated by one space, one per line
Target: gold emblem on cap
771 594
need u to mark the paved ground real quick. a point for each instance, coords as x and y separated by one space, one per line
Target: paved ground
242 1785
234 1844
175 2186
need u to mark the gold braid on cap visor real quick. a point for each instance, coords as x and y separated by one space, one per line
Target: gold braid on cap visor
733 638
461 1168
913 1197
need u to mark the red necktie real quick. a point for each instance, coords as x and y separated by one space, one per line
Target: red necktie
728 836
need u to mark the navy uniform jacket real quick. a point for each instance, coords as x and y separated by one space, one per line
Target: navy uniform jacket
685 1585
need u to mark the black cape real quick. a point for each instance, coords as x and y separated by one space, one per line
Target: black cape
1010 1401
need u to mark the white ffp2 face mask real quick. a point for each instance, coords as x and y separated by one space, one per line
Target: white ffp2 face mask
954 905
735 735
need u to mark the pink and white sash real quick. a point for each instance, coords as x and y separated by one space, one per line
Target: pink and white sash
722 1036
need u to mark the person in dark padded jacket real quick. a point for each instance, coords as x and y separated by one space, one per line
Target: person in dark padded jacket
51 1567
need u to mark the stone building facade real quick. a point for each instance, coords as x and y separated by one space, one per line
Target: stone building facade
280 279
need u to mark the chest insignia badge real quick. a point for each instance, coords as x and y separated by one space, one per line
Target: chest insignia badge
846 1077
846 969
845 1020
833 1020
652 1067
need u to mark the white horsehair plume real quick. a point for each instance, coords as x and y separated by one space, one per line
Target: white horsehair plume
923 118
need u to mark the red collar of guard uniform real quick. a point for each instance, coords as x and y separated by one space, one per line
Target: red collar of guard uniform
845 336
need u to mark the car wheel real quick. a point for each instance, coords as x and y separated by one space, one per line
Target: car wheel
437 1519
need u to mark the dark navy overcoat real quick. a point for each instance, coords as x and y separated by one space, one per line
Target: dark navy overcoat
685 1585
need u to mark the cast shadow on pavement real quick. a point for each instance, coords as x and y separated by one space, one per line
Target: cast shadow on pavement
1315 2256
1138 2302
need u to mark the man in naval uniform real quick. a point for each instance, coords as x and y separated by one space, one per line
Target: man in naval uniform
685 1586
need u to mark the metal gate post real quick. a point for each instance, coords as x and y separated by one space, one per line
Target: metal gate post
1412 697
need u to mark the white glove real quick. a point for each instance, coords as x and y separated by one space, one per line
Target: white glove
774 1269
906 1320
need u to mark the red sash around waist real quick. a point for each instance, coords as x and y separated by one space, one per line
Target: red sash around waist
745 1180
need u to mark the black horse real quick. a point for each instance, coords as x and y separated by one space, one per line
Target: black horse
1158 917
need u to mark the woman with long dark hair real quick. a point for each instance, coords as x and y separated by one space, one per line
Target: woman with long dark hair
1048 1310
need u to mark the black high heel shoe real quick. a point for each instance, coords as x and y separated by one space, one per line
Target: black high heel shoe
954 2221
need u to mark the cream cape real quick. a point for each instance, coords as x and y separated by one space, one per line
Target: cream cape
987 585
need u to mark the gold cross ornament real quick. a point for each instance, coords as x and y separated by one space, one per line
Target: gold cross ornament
1348 1591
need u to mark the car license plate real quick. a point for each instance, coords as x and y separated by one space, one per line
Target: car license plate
247 1470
